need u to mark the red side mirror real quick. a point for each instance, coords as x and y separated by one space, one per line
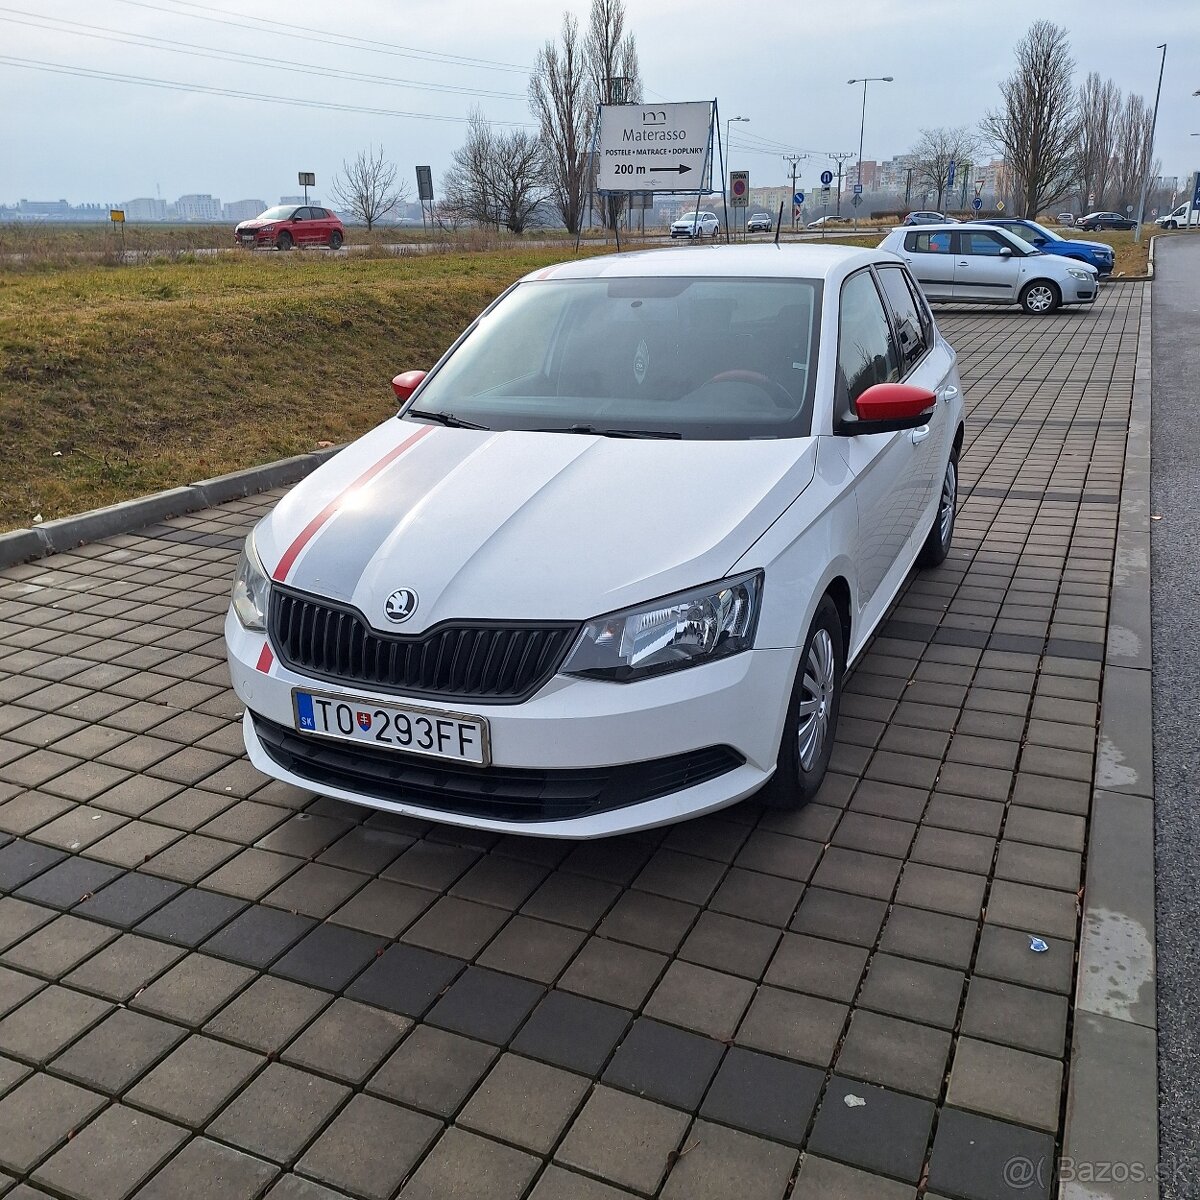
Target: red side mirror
894 402
405 384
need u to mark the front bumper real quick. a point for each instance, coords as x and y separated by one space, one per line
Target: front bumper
719 724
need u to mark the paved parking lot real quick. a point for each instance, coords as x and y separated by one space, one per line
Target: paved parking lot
212 985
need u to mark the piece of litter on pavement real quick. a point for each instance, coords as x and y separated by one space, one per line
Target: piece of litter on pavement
1156 516
853 1101
1037 945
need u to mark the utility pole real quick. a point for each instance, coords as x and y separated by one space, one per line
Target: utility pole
908 186
840 157
793 159
1137 237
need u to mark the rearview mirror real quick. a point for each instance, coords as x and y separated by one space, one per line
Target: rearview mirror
887 407
1006 252
406 383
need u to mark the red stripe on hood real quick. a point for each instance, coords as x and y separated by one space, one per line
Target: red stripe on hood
310 530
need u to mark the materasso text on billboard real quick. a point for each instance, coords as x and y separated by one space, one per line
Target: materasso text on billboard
655 147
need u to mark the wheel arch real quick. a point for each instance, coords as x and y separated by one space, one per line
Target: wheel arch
838 590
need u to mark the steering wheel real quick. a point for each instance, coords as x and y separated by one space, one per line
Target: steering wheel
778 393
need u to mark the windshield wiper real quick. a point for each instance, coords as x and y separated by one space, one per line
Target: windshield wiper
614 433
442 418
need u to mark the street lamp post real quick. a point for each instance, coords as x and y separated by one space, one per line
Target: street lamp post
862 128
1137 237
729 121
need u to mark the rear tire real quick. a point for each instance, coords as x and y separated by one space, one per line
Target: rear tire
1040 297
811 722
941 533
335 240
284 241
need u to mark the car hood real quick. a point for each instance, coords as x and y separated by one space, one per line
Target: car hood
1101 248
256 224
522 525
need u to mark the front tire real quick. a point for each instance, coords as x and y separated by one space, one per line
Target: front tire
284 241
1040 297
937 545
811 722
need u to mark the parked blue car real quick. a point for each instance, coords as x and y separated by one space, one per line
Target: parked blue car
1095 254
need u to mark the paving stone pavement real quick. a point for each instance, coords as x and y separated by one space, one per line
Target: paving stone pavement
213 985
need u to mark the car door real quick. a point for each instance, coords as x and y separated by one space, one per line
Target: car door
888 486
981 270
928 255
926 362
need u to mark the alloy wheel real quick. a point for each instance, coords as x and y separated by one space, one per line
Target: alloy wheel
1040 298
949 497
816 698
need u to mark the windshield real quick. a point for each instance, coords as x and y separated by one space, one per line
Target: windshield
1048 234
280 212
679 357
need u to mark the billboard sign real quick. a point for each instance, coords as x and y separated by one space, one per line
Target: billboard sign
424 184
655 147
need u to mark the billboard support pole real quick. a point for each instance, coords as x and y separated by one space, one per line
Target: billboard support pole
716 124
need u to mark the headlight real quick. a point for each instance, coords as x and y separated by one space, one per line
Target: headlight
251 588
1079 273
678 631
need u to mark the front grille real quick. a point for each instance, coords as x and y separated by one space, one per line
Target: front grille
499 793
497 663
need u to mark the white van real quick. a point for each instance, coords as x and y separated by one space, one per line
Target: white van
1187 214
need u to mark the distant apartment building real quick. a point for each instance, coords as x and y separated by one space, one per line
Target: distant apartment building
43 208
299 200
198 207
145 208
242 210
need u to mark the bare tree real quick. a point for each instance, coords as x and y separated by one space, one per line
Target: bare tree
367 187
1099 108
496 178
561 97
612 64
1035 127
935 150
1132 150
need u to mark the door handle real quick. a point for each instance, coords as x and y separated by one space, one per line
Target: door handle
964 264
920 434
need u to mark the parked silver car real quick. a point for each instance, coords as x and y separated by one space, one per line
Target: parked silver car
982 264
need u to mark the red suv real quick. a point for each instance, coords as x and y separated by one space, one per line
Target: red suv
288 225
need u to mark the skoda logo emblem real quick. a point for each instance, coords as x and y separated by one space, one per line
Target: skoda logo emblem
401 604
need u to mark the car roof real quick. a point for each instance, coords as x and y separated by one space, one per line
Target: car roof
784 262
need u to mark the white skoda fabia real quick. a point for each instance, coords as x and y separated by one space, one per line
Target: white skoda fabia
608 565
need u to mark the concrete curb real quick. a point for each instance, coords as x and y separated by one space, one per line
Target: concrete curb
54 537
1112 1098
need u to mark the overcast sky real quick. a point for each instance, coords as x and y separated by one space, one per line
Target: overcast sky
783 66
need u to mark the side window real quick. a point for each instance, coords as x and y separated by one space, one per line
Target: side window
922 242
981 242
910 327
867 352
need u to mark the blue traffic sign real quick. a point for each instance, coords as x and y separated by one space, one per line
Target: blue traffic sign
798 198
858 189
826 177
977 204
950 174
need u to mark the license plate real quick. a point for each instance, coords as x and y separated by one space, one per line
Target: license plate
422 731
